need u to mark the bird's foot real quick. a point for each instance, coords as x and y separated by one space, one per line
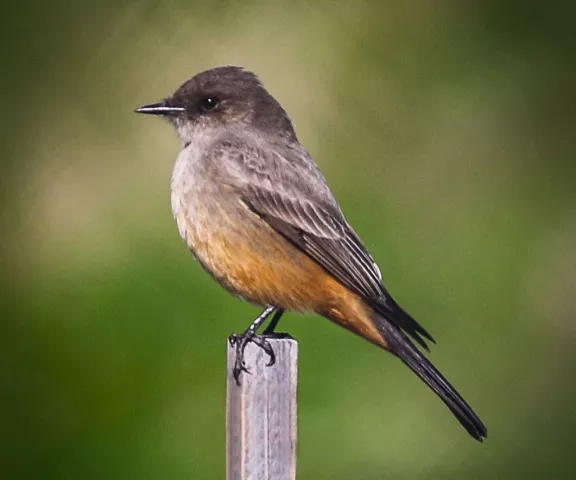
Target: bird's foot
240 341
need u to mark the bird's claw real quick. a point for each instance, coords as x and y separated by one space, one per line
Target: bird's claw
239 367
240 341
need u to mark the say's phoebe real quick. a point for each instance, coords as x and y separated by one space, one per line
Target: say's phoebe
256 212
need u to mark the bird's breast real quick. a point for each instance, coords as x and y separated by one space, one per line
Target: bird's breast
239 249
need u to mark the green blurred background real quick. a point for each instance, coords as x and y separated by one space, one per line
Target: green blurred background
447 132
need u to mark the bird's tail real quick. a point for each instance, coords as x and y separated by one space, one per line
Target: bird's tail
399 344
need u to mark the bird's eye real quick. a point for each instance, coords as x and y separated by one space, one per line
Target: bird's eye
209 103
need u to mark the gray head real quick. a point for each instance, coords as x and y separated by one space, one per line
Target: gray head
222 97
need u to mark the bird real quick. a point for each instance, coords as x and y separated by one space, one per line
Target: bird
258 215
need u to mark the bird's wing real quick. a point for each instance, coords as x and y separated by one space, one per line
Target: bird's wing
285 188
321 235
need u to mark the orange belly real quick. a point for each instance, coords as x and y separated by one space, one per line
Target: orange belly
261 266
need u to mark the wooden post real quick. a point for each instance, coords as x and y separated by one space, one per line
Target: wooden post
261 413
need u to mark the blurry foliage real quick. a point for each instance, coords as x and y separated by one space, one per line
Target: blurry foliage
446 130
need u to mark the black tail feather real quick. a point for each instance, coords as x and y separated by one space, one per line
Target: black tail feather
389 308
421 366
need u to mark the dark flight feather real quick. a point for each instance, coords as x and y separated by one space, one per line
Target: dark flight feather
314 223
338 250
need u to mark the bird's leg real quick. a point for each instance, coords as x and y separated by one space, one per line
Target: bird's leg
241 340
269 330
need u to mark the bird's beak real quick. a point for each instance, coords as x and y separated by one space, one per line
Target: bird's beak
161 108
